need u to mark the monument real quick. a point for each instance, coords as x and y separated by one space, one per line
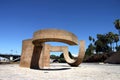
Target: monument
36 53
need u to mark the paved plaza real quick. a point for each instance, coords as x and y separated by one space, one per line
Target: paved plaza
58 71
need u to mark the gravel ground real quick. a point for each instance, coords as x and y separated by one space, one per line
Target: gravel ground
57 71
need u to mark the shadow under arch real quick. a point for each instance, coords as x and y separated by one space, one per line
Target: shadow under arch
35 57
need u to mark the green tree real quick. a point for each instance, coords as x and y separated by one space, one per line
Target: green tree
54 56
61 56
117 25
110 37
90 38
93 40
101 43
116 39
62 59
90 49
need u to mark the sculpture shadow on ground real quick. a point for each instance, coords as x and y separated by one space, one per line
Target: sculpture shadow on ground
51 69
57 69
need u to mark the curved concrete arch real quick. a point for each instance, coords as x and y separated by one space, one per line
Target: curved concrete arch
75 62
49 35
39 51
61 36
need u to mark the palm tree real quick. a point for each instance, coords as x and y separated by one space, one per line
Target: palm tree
110 37
117 25
116 39
90 38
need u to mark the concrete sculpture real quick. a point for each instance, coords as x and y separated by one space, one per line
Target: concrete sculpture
36 54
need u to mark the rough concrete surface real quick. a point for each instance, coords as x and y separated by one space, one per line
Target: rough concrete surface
36 54
57 71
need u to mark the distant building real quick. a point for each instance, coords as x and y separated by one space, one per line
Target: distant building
11 58
2 59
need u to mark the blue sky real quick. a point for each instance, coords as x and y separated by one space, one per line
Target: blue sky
20 18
